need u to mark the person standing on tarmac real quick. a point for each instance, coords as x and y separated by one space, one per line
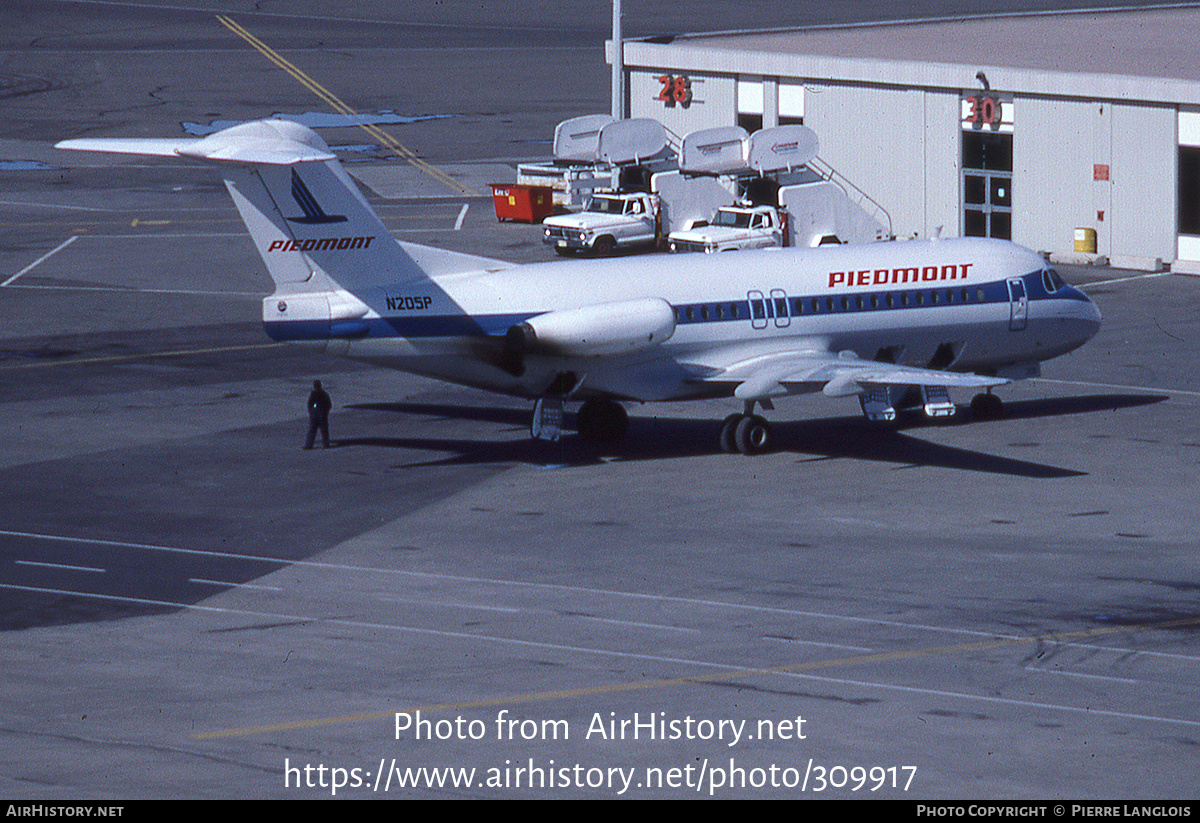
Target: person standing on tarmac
319 405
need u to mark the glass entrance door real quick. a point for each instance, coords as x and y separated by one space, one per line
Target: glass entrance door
987 204
987 184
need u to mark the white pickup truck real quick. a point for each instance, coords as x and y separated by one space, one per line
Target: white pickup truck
609 221
732 228
805 215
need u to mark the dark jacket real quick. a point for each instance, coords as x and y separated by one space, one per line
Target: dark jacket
319 403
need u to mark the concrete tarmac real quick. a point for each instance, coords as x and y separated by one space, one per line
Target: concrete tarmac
193 607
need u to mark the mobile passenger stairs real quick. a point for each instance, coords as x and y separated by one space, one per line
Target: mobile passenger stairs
597 151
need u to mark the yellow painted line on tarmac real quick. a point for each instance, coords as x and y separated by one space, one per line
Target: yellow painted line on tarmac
316 88
715 677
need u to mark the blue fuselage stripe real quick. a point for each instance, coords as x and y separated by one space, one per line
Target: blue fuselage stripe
770 306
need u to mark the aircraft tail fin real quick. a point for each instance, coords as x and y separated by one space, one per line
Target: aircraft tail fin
310 223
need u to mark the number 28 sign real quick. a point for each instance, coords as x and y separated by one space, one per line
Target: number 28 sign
676 90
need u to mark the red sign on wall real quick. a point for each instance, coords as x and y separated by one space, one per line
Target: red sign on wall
983 110
676 90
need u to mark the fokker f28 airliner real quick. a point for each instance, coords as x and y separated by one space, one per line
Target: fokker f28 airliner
882 322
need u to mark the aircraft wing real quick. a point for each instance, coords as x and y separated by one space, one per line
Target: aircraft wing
778 373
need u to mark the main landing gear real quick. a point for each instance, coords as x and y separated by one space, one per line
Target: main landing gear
598 421
746 433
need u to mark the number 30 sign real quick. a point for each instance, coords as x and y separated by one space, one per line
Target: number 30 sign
983 111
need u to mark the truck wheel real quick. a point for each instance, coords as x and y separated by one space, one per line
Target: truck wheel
604 246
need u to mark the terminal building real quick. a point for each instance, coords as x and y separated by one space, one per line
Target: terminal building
1074 134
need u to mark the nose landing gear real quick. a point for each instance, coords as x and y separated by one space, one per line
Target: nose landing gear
987 407
602 421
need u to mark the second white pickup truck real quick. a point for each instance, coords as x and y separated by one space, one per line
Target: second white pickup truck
733 228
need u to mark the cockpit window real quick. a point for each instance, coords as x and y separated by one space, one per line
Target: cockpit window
1051 281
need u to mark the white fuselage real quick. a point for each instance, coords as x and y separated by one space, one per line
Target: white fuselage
965 304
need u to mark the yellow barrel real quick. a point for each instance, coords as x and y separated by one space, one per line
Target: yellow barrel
1085 240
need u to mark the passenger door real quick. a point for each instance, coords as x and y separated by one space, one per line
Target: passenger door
1018 304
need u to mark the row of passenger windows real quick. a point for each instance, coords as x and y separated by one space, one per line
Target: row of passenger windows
797 306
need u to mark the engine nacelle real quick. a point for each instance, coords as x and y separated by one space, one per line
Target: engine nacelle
591 331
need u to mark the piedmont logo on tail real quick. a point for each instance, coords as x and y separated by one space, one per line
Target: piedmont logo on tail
313 213
892 324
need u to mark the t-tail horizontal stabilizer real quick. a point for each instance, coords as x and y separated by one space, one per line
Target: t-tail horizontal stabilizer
270 142
311 225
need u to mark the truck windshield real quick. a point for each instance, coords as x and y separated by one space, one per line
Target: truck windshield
605 205
732 219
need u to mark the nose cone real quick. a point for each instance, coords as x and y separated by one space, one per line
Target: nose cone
1080 319
1089 318
1073 320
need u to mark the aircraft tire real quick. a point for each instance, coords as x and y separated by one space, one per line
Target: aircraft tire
729 433
753 435
602 421
987 407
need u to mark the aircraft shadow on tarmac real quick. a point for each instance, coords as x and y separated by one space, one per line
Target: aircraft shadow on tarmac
661 438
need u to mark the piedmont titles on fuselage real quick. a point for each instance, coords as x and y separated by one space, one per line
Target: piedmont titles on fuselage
910 274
